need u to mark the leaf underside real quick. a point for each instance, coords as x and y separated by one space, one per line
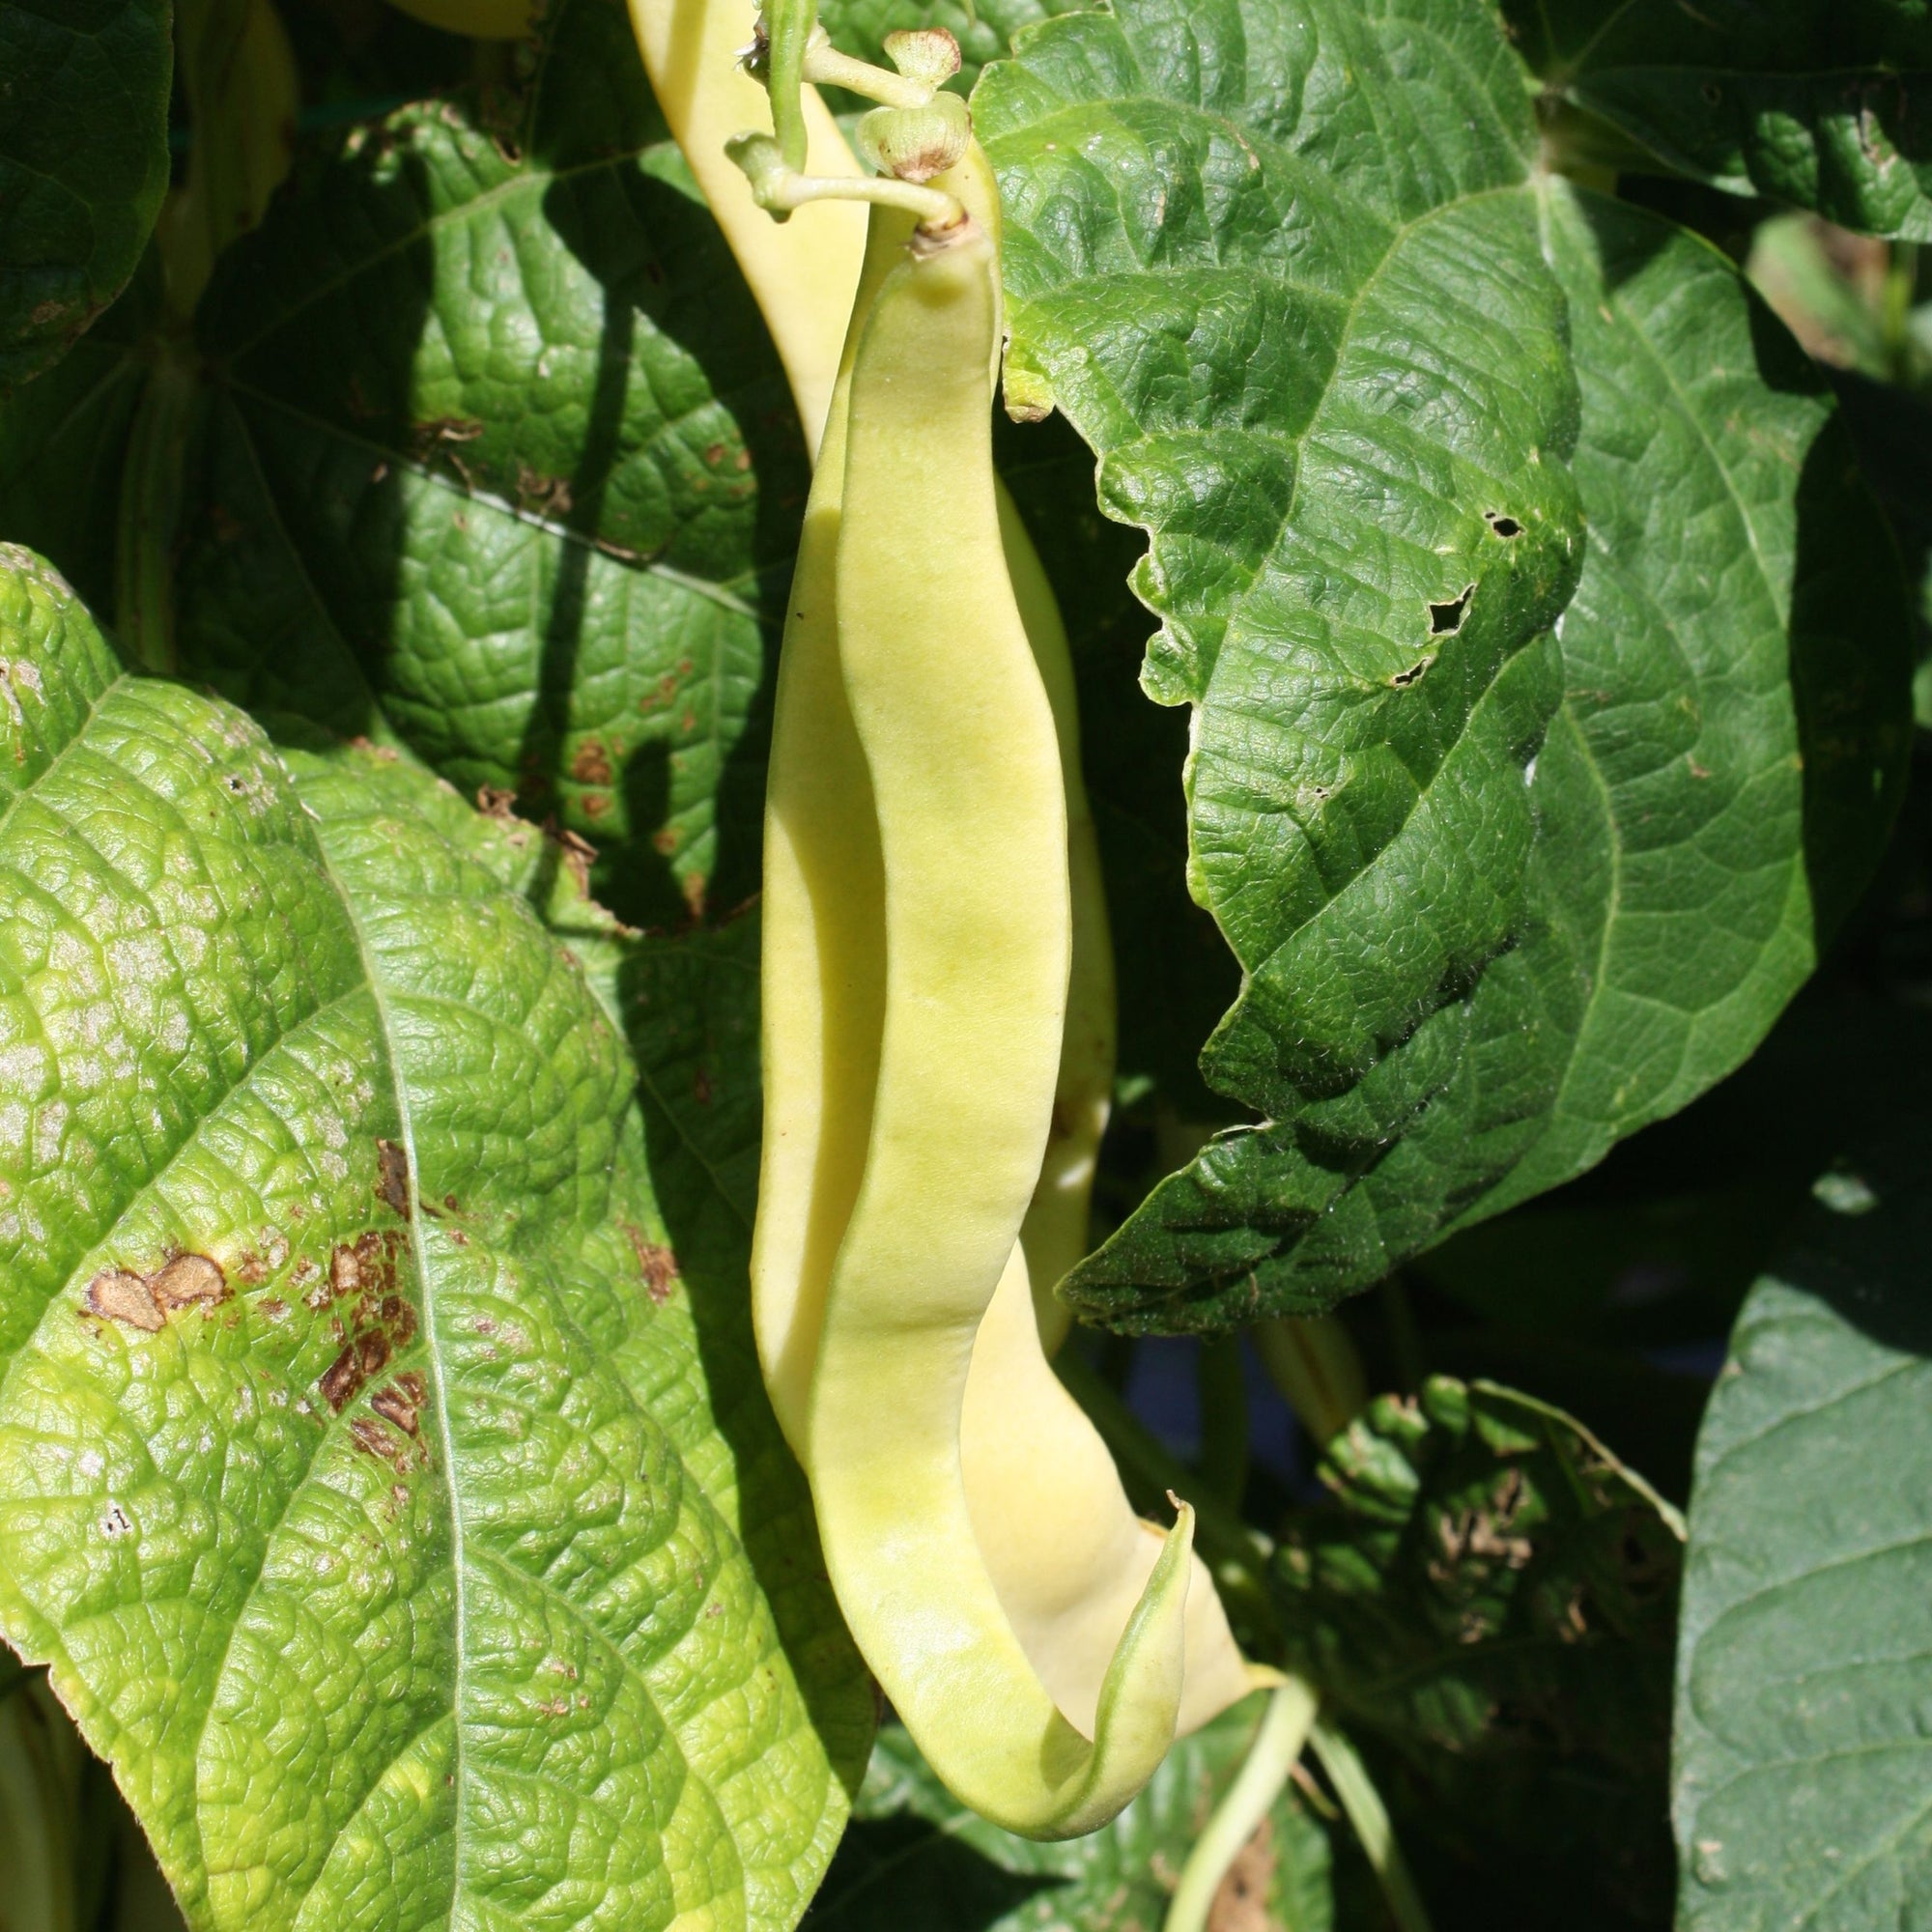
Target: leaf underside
1548 661
1804 1663
1811 103
376 1485
1491 1600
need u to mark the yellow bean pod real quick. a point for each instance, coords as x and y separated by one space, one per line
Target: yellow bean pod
960 743
802 272
1011 1620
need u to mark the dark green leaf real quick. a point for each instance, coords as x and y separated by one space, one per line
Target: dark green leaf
392 1511
1804 1675
500 464
83 164
915 1858
1491 1599
1807 101
1509 831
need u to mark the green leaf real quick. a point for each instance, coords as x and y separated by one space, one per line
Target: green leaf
83 164
1491 1599
1803 1668
500 466
1806 102
915 1857
388 1507
1513 833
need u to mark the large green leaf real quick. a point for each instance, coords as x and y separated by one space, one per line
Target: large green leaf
1522 837
1490 1598
1805 1666
916 1857
1806 102
83 164
500 464
372 1478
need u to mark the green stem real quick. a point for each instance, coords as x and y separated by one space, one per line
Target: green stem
787 26
1224 1419
1284 1730
779 191
1368 1814
150 510
826 67
1901 281
1312 1360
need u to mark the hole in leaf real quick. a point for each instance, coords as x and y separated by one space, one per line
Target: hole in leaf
1502 525
1446 619
1403 679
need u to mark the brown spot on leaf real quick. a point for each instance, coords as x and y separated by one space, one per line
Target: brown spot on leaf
659 1266
494 801
189 1280
546 496
345 1270
371 1352
340 1380
400 1319
578 855
591 765
118 1296
375 1440
392 1178
390 1403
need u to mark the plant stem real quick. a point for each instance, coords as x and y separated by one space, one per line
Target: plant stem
149 509
1284 1730
1367 1813
826 67
1312 1360
1224 1419
1901 280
